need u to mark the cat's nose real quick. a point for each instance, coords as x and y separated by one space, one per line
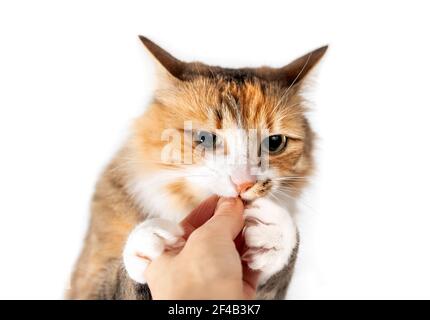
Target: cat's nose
242 178
244 187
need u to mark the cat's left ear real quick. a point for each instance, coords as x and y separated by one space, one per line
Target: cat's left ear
295 72
167 63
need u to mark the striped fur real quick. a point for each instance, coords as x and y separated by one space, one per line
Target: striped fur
212 98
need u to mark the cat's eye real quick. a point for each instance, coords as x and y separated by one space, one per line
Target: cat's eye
206 139
274 144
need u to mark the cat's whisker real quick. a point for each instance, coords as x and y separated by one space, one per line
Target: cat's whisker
289 113
295 79
289 188
299 199
287 178
285 112
290 180
273 195
138 185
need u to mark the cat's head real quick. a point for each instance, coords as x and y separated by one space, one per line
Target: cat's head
213 130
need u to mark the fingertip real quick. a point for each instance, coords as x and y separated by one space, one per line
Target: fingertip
234 205
199 215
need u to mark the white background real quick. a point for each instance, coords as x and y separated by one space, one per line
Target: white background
73 75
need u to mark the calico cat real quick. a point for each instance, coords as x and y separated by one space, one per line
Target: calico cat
147 189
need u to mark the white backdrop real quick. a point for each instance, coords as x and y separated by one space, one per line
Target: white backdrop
73 75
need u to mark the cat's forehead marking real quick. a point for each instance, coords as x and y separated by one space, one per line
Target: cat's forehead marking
232 105
241 105
252 104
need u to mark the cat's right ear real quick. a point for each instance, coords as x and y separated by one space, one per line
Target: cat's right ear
167 64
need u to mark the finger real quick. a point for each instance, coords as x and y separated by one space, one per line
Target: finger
153 270
239 242
199 215
250 281
227 218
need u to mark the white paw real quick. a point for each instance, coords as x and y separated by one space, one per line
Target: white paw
146 242
270 235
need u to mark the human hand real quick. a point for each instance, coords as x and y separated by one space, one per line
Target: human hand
209 264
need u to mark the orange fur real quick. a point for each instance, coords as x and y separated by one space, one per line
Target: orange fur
212 101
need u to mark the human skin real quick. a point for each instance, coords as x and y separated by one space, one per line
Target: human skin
208 266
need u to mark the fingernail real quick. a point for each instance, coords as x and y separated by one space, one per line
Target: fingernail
226 201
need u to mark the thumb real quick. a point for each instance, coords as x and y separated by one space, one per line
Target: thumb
227 218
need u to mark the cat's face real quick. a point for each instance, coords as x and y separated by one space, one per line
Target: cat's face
226 132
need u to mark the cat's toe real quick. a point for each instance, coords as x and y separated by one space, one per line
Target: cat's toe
269 259
265 245
148 241
262 235
263 260
270 236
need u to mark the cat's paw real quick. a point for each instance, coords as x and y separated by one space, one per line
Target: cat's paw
270 236
146 242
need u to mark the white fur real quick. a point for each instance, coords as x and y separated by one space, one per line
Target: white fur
271 235
271 240
148 241
151 195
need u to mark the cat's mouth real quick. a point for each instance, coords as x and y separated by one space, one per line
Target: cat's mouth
258 190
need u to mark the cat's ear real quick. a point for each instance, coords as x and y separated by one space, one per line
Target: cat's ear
295 72
166 62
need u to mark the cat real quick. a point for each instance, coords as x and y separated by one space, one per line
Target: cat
147 189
